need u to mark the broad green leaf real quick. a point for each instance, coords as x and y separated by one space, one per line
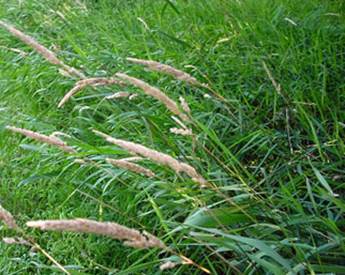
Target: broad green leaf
215 217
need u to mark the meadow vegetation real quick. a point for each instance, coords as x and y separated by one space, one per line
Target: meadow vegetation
236 167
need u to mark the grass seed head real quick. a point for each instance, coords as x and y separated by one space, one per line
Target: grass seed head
132 237
166 69
16 240
42 50
157 157
156 93
52 140
7 218
131 167
93 82
184 105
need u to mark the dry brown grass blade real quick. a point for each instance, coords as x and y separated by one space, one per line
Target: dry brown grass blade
46 53
157 157
7 218
156 93
93 82
167 69
131 167
43 138
131 237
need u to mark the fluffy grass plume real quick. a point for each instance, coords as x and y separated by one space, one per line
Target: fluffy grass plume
46 53
131 167
167 69
131 237
7 218
16 240
51 140
157 157
93 82
156 93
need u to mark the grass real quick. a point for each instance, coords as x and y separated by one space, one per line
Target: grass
275 156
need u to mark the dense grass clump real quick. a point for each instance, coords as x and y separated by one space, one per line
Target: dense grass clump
237 169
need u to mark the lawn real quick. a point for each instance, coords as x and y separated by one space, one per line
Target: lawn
268 129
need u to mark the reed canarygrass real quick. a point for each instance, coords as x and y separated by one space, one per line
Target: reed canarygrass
93 82
131 167
157 157
156 93
131 237
167 69
7 218
42 50
51 140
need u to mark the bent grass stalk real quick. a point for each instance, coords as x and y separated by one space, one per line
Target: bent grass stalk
46 53
51 140
156 93
157 157
93 82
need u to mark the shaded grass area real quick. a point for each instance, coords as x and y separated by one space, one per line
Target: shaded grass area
275 155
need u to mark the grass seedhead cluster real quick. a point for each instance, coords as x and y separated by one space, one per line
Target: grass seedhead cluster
51 140
155 156
116 231
7 218
156 93
42 50
166 69
131 167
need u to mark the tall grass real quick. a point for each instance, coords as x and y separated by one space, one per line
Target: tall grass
265 135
